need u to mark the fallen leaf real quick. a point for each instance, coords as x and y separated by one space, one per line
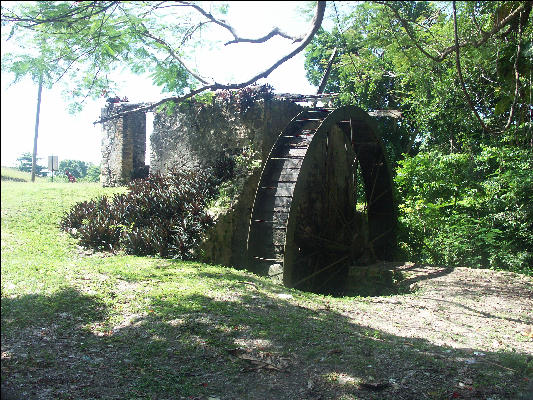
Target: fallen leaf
528 331
260 361
248 283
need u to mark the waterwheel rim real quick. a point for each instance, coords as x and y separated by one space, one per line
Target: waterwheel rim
337 143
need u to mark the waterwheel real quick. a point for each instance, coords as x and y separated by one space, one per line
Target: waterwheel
324 201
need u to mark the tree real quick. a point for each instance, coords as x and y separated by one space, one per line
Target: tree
76 167
26 164
460 75
48 57
38 69
145 37
93 173
36 135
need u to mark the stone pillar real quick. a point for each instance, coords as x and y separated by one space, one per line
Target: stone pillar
123 145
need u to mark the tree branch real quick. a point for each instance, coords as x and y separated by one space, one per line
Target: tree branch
326 74
69 16
173 55
447 51
517 79
317 21
191 31
458 64
236 38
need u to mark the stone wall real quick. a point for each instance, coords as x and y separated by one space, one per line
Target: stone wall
225 242
203 135
123 145
199 134
196 134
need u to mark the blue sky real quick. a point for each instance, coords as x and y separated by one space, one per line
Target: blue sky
74 136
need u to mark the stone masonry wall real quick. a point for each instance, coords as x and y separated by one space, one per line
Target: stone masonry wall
202 134
123 145
198 134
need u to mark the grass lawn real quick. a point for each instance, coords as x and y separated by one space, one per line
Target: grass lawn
14 175
83 325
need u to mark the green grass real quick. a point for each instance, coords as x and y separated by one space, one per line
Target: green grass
13 174
83 326
34 252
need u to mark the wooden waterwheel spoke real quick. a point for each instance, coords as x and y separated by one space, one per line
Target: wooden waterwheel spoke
375 199
340 214
381 235
329 244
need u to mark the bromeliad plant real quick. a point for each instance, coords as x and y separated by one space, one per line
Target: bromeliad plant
164 215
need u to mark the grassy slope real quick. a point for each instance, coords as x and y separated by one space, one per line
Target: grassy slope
13 174
81 326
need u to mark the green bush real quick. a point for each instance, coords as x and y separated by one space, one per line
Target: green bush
76 167
468 209
93 173
158 215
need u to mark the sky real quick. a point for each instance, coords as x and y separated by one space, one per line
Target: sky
75 137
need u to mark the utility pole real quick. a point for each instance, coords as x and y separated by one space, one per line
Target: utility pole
34 156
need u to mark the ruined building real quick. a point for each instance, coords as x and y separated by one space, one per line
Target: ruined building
297 214
193 134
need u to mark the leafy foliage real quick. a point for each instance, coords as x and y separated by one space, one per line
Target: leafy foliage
382 66
465 209
83 171
246 96
75 167
81 43
158 215
25 163
93 173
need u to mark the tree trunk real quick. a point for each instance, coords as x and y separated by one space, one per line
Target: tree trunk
322 85
34 156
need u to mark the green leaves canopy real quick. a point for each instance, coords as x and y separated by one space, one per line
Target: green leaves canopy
401 55
81 43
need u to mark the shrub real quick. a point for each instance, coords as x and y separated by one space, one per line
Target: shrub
75 167
468 209
158 215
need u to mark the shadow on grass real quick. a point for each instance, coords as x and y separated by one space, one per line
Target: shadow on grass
247 343
41 333
423 273
66 303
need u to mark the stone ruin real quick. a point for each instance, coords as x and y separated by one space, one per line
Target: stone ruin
239 135
193 134
123 145
197 134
